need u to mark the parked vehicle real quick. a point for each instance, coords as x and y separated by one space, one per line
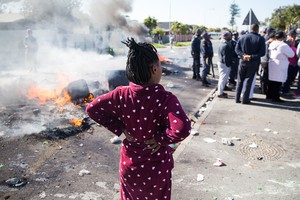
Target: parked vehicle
215 35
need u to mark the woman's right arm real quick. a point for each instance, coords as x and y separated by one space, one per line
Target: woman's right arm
103 110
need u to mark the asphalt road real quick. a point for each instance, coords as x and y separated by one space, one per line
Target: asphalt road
84 166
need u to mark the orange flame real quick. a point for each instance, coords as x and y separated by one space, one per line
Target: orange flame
163 59
63 99
42 95
76 122
89 98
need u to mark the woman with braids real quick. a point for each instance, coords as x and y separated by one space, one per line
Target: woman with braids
150 117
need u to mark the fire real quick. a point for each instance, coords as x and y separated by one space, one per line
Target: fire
89 99
42 95
63 99
76 122
163 59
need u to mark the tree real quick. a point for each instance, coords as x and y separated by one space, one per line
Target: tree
214 30
158 31
150 23
286 18
234 12
203 28
195 27
179 28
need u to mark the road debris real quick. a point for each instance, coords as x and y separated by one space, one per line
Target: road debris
260 158
84 172
202 109
236 138
200 177
194 132
42 195
115 140
170 85
16 182
251 165
219 163
209 140
253 145
227 141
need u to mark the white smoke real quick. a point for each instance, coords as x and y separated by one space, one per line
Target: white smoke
59 64
78 57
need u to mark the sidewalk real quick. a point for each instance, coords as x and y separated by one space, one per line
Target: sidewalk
271 171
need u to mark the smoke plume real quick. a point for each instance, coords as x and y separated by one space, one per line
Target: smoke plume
69 49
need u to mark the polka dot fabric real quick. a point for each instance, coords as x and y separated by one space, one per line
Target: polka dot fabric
145 112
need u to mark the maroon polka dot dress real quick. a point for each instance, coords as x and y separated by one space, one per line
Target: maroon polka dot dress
145 112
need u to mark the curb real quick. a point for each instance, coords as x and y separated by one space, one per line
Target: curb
198 122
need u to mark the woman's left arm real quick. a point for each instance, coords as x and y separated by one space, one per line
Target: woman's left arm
179 125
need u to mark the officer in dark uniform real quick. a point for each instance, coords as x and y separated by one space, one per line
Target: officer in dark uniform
249 48
196 54
235 61
206 55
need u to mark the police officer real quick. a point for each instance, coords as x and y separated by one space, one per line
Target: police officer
249 48
195 46
235 61
206 54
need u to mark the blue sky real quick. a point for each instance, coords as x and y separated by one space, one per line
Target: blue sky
211 13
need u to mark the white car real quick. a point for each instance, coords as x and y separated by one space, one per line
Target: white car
215 35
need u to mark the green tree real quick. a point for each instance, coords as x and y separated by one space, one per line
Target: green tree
234 12
202 28
214 30
157 31
286 18
180 29
150 23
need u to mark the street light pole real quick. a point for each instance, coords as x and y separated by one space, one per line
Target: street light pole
170 18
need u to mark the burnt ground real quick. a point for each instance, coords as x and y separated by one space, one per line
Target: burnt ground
50 168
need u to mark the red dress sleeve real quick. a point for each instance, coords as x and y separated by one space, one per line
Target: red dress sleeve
105 111
178 125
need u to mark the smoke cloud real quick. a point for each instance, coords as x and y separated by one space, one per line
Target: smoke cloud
74 48
88 46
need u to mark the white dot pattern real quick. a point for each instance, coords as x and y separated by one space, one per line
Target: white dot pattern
145 112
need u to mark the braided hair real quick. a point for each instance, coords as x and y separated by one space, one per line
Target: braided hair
140 60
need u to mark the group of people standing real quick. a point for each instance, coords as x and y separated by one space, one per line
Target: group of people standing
240 59
281 64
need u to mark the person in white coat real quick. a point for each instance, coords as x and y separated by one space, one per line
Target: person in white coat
279 52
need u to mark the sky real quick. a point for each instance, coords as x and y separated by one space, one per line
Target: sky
210 13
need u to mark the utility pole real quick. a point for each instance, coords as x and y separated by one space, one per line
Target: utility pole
170 18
